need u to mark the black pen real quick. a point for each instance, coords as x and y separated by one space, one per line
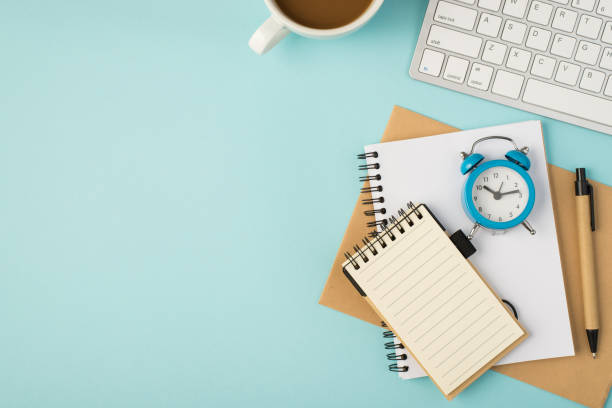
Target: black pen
585 221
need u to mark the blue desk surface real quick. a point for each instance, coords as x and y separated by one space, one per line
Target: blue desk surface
171 205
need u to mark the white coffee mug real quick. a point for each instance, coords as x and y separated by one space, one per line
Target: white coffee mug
278 25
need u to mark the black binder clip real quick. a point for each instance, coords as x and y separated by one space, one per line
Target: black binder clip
463 244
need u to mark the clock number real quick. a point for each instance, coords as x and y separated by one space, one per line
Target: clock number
515 185
511 214
495 175
479 187
479 209
518 206
500 219
475 198
489 215
485 179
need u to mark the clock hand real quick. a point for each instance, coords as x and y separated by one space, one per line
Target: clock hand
496 194
500 186
489 189
510 192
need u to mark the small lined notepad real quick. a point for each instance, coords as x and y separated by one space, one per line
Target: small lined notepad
434 300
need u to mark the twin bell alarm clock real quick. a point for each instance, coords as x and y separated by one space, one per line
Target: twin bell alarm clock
498 194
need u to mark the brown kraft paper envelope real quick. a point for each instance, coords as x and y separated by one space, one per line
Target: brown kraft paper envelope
579 378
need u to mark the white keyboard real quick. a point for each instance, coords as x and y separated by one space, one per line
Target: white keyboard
550 57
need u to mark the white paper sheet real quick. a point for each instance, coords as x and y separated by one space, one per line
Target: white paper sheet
524 269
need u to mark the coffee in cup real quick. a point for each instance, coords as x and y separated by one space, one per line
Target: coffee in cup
311 18
323 14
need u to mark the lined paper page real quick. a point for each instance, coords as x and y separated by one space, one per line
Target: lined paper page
437 304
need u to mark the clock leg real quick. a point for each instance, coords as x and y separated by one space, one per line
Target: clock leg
473 231
528 227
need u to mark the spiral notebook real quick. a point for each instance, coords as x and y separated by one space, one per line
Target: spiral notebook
562 376
521 268
433 299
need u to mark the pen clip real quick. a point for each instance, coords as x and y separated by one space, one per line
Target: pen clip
592 205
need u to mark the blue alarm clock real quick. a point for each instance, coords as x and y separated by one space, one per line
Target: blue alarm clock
498 194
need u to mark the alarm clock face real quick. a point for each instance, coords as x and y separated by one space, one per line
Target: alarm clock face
499 194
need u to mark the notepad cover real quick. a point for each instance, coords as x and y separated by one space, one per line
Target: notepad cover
435 301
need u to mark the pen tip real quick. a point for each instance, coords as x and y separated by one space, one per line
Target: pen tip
594 355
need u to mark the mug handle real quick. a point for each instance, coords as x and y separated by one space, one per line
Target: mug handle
267 36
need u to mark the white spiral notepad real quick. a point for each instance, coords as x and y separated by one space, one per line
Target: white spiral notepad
522 269
434 300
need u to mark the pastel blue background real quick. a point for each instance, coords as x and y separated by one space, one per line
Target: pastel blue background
172 203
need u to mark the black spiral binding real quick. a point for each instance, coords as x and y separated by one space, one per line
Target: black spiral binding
394 356
374 187
389 231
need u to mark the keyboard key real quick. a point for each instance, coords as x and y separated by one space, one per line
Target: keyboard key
431 63
605 8
592 80
587 5
514 32
455 15
563 46
564 20
561 1
587 52
489 25
589 26
494 52
480 76
455 70
606 59
515 8
568 101
467 1
539 12
489 4
518 59
567 73
507 84
607 33
455 41
608 90
543 66
538 38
